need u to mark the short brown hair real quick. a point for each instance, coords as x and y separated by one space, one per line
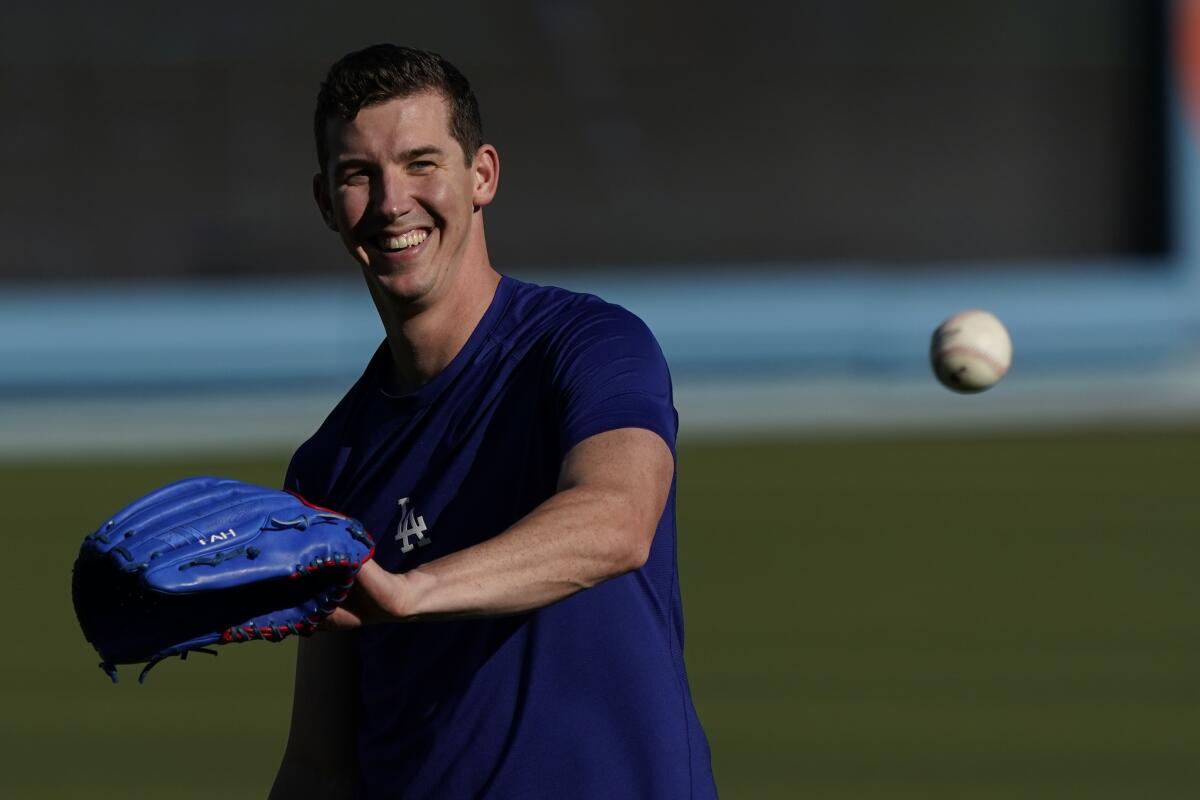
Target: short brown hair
384 72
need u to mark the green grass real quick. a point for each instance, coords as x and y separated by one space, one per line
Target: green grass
1004 617
958 618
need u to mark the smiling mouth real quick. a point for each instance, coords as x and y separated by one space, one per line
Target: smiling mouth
396 244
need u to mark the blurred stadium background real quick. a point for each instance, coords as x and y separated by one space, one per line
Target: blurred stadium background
891 591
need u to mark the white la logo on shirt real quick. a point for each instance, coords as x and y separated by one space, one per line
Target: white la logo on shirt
410 525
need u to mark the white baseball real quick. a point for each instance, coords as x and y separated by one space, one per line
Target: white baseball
971 351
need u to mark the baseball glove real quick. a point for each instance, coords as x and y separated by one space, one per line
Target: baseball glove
207 561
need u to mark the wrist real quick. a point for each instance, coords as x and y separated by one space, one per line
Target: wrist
409 599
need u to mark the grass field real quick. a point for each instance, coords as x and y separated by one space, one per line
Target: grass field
1013 616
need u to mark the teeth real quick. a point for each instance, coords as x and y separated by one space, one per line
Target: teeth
410 239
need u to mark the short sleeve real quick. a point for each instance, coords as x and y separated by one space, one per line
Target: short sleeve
610 373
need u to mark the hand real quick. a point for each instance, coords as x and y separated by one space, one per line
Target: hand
378 596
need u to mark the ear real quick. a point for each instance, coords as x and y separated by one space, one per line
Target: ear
486 172
321 194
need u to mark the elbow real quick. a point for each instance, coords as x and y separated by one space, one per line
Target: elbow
633 548
639 552
621 536
633 536
637 560
616 550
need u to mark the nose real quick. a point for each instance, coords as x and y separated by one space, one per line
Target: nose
392 198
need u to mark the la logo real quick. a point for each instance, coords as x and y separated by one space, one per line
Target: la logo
410 525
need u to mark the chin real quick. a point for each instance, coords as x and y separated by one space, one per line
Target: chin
408 287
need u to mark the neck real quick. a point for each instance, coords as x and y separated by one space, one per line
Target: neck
425 336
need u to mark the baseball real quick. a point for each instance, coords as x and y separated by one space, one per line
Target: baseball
971 351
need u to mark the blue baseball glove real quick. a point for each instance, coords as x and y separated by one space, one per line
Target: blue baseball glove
206 561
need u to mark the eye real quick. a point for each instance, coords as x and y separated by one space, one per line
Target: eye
421 166
354 178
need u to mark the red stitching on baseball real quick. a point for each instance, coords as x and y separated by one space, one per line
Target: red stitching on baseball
1000 369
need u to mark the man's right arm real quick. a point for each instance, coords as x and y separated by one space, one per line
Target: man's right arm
320 761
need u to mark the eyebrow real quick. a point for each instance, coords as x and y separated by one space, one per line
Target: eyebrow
403 156
417 152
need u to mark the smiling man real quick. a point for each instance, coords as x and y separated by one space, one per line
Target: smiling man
511 447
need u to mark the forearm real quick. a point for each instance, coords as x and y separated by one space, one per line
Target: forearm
600 524
574 540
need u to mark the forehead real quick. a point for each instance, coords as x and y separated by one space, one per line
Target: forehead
392 126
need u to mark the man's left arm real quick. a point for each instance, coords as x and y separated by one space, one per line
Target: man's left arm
599 524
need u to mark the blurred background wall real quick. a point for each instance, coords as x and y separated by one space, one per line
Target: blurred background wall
172 144
793 196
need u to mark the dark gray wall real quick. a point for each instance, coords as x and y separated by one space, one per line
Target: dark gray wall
167 140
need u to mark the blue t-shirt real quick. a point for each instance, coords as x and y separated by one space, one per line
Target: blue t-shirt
585 698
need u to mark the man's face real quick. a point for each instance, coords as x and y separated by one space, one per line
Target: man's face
397 191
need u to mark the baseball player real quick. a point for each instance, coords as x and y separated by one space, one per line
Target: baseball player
510 447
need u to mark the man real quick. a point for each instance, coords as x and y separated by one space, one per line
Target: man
511 447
